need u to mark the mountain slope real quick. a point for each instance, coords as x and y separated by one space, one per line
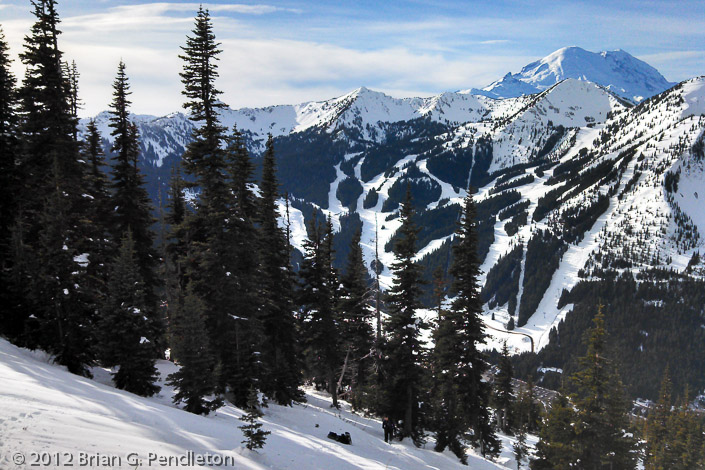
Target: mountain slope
572 184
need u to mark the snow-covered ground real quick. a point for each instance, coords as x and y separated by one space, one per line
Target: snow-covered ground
53 418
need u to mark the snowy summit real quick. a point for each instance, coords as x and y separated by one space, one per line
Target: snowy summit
618 71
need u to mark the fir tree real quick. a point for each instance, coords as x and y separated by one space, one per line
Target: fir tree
8 147
281 368
97 242
58 291
123 326
403 349
196 378
48 126
215 235
245 369
255 437
521 450
656 453
10 319
357 336
556 448
504 399
132 206
602 426
53 304
460 363
317 304
526 411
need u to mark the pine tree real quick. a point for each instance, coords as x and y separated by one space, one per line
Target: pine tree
131 203
196 378
48 126
97 242
124 328
50 295
503 390
521 450
403 349
460 362
255 437
9 137
11 321
656 453
556 449
215 235
526 410
355 313
199 73
602 427
281 369
245 369
317 305
58 290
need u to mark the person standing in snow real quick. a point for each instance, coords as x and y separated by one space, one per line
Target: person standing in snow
388 427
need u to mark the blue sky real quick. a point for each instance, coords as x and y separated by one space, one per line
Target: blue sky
293 51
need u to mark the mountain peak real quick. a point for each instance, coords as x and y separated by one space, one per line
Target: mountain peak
617 70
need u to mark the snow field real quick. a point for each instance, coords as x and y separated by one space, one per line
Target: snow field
44 410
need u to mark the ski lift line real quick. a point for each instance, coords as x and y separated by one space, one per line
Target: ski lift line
513 333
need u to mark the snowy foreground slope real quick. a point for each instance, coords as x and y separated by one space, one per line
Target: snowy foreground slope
47 413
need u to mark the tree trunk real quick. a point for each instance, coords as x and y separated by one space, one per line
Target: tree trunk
409 411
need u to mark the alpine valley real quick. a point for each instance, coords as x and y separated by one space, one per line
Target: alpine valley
587 169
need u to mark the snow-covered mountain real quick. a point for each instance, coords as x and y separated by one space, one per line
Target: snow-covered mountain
618 71
571 182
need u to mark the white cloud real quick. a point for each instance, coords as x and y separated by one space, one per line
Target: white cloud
496 41
290 59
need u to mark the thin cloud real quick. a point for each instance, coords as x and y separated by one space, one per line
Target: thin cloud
496 41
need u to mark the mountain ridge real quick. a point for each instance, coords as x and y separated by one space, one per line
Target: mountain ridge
349 157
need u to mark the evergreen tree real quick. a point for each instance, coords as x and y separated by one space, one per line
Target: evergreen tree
215 234
602 426
131 203
58 290
11 321
50 296
521 450
245 369
460 364
526 411
97 242
656 453
199 73
281 368
504 399
355 313
317 305
674 435
196 378
8 148
48 126
403 349
556 448
255 437
123 326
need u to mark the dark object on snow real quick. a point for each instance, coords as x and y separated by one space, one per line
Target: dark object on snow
342 438
388 426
